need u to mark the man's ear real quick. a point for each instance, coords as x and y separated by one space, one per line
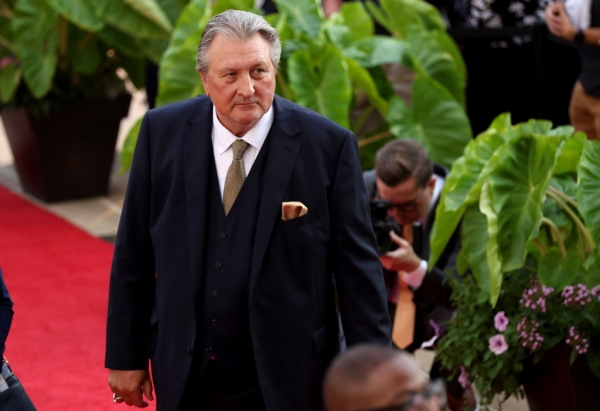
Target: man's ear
431 184
204 83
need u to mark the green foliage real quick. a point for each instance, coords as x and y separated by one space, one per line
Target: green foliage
68 50
525 196
334 66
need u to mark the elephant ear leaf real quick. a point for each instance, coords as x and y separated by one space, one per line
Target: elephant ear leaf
518 186
321 82
304 16
178 78
589 187
82 13
35 43
10 76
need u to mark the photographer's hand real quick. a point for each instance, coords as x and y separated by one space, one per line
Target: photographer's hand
401 259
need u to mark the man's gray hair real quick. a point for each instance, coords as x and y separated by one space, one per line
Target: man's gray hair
240 26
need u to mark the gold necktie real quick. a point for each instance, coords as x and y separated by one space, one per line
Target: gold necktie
403 330
236 174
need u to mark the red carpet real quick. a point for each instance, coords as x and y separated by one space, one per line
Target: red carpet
58 278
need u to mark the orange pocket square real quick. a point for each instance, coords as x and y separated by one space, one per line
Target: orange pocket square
292 209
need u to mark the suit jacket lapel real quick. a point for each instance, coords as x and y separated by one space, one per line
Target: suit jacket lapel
198 158
283 150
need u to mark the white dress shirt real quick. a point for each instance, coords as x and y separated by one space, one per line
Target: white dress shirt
222 140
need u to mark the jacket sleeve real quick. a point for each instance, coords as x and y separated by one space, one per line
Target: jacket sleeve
6 314
357 269
132 279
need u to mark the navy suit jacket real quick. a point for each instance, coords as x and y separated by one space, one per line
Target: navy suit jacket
158 259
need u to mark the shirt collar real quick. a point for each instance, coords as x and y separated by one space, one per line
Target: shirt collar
256 136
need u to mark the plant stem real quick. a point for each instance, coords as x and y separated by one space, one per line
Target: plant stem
540 246
556 233
63 41
5 43
374 139
362 118
563 195
578 223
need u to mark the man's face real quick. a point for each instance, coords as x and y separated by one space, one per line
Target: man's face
410 203
240 80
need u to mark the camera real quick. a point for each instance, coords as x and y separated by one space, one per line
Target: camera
382 224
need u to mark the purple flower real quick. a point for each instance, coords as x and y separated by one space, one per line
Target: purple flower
500 321
463 378
498 344
596 291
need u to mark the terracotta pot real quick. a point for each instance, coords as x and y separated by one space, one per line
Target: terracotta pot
67 154
553 384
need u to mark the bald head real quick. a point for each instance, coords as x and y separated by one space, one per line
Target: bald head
370 377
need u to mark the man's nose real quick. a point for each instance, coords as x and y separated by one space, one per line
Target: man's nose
246 86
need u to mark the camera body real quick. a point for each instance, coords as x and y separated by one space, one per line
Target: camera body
383 223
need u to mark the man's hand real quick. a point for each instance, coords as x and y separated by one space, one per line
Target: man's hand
129 385
401 259
558 21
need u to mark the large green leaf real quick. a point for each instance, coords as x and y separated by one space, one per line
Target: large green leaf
178 78
362 80
432 59
568 160
463 185
376 50
82 13
121 41
321 82
518 185
120 15
35 43
493 255
401 15
474 237
357 19
556 271
129 146
39 65
220 6
85 53
443 39
151 10
588 192
304 16
172 8
32 21
438 121
10 76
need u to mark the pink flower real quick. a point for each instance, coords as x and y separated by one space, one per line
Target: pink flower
498 344
463 378
500 321
596 291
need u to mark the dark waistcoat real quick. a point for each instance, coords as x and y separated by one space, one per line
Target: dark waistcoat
224 330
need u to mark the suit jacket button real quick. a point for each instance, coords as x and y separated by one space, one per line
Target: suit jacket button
215 294
222 236
218 265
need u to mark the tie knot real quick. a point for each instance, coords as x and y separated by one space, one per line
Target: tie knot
239 147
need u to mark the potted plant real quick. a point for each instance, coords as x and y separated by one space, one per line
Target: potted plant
334 66
61 98
528 301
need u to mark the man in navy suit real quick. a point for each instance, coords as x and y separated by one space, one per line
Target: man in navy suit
234 301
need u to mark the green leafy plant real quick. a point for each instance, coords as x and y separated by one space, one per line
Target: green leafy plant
54 52
336 66
526 199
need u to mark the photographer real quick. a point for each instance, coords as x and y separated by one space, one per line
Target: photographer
405 179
